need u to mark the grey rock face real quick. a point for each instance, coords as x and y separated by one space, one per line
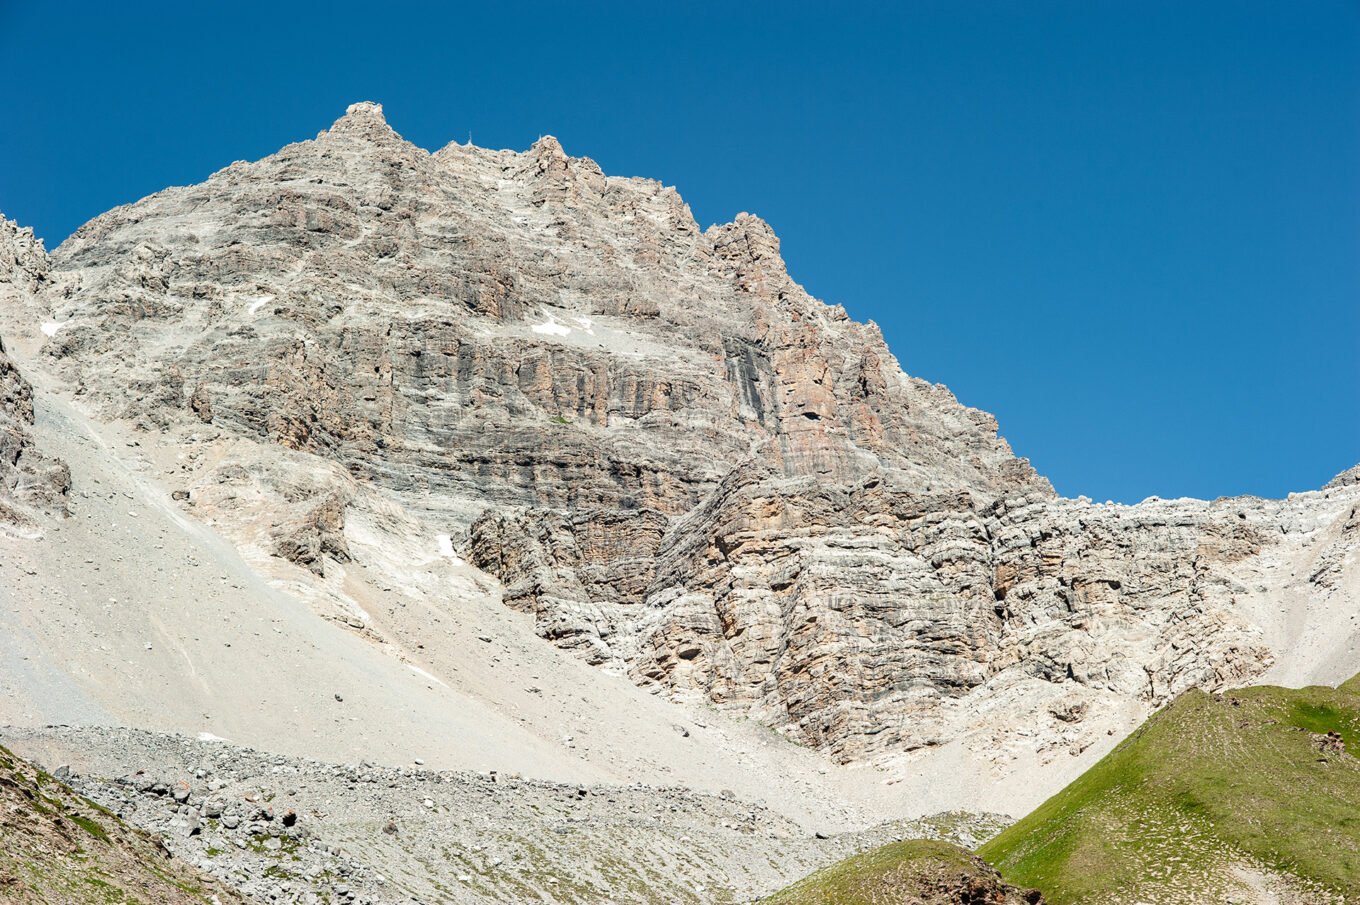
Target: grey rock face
855 615
493 328
30 482
24 266
684 466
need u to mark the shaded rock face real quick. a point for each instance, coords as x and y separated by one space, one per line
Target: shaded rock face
30 482
684 466
315 534
582 574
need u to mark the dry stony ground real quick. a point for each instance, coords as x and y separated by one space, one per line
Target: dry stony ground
59 848
291 830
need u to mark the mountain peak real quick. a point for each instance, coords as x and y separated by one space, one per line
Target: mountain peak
366 108
547 145
365 120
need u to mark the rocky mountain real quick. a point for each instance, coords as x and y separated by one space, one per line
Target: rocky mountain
489 457
685 468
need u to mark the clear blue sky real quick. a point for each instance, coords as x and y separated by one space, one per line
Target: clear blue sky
1131 230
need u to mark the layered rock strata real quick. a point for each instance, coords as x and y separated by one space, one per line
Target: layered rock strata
685 467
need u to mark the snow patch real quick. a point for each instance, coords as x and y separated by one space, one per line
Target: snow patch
446 548
209 737
551 327
50 328
255 305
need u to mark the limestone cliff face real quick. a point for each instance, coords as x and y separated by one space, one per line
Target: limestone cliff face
853 615
493 328
684 466
30 482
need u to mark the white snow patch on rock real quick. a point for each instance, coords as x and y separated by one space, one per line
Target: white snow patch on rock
446 548
551 327
50 328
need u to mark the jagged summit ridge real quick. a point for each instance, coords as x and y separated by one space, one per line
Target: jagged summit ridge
633 280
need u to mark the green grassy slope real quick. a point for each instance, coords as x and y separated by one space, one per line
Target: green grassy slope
914 872
1215 798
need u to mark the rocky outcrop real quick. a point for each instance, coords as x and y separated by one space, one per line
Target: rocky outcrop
30 483
581 574
24 265
315 534
685 467
910 872
850 614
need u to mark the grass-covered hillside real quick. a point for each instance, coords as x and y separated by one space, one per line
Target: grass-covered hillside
914 872
1247 796
57 848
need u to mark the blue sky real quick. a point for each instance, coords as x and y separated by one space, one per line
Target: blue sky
1131 230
